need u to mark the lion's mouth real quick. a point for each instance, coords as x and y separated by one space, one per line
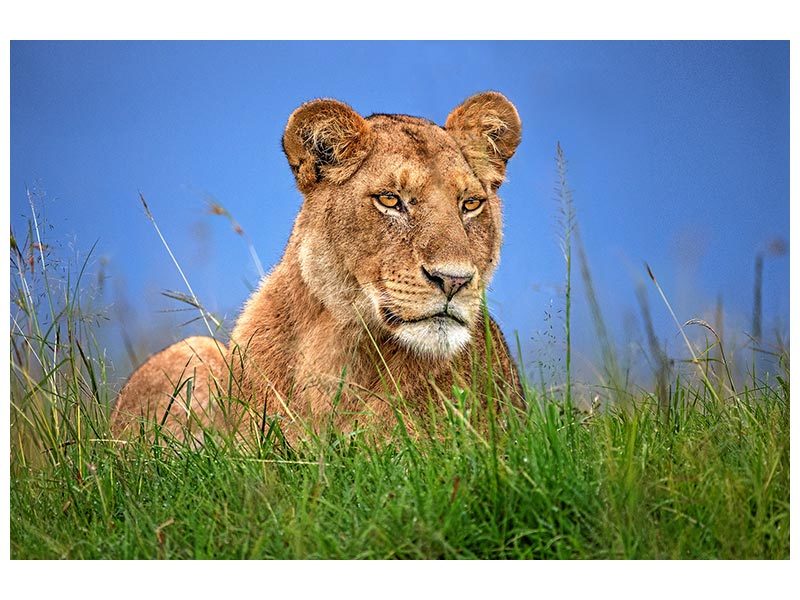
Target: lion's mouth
437 334
442 316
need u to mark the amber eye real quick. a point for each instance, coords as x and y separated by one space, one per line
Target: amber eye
388 200
472 204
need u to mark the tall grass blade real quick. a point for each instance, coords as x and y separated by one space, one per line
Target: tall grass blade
662 364
564 196
608 353
194 301
695 360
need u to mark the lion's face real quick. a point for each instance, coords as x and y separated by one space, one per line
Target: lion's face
426 235
401 226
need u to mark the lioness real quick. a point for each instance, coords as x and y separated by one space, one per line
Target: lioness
377 301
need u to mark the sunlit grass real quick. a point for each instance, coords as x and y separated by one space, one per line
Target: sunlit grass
711 484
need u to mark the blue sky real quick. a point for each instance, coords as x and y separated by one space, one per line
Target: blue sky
678 155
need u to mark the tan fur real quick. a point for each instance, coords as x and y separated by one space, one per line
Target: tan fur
176 388
369 302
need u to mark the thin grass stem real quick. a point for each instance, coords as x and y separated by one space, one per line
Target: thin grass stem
683 333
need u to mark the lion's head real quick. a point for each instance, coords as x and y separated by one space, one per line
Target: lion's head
401 223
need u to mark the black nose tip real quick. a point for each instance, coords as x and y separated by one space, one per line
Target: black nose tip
449 283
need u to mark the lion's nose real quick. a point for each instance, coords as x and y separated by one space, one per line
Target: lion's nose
448 282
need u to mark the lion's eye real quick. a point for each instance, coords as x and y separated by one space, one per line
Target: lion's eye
472 204
388 200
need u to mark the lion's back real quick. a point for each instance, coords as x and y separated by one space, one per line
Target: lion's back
195 372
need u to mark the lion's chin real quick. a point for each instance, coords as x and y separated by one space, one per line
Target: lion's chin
436 337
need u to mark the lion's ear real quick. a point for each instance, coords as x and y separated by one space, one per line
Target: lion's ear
488 129
325 140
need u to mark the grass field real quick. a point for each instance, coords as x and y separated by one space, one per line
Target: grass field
690 470
711 483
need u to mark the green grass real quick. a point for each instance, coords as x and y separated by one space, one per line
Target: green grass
699 474
713 482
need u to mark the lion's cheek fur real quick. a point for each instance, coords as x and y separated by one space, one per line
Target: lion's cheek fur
325 278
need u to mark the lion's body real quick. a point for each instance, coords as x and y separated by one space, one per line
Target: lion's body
378 294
